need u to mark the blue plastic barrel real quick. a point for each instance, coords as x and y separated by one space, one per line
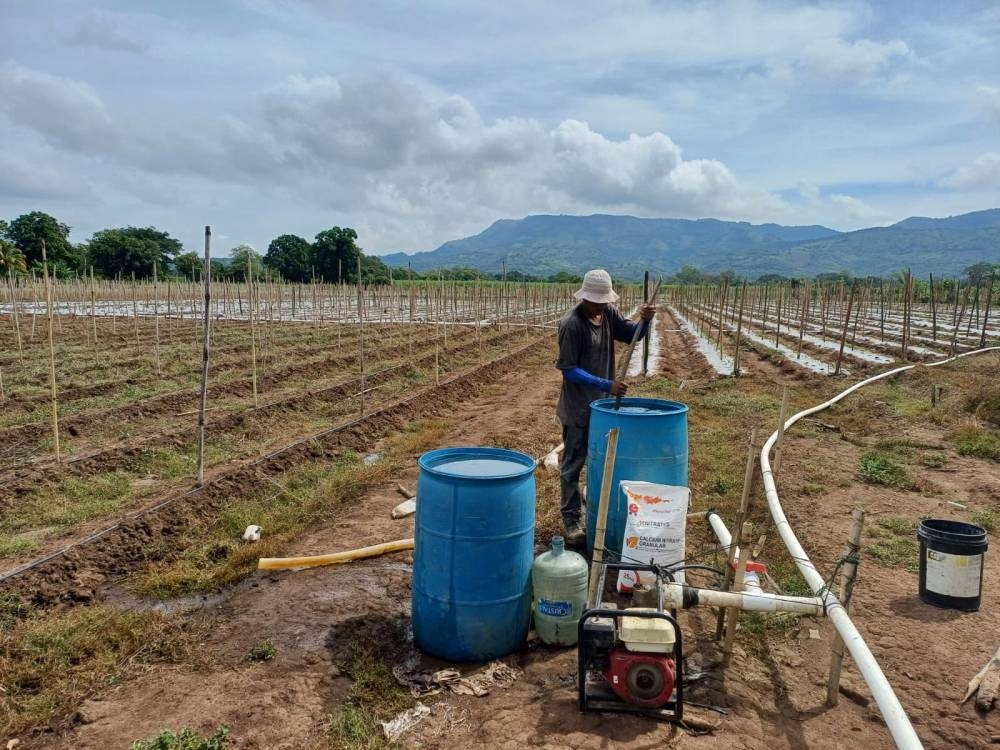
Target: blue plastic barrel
652 447
475 537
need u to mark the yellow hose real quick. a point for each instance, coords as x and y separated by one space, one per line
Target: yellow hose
284 563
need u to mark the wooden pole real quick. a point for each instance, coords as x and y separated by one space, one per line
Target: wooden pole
156 321
748 477
13 305
206 344
52 355
734 612
645 341
361 337
933 311
251 283
593 595
739 332
986 311
849 572
954 332
843 335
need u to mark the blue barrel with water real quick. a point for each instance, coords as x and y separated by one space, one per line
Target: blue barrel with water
652 447
474 547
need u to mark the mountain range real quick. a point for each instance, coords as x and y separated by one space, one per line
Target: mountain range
626 246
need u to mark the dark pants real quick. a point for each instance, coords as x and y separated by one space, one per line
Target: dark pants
574 457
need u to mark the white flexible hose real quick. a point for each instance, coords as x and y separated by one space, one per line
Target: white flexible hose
893 713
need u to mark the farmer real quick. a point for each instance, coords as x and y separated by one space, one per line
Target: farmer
587 336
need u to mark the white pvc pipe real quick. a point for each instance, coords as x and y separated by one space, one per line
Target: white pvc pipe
751 601
893 713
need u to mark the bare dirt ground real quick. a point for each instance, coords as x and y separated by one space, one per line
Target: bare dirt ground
772 694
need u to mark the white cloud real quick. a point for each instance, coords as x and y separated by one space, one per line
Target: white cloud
858 61
849 211
67 113
982 174
101 30
989 99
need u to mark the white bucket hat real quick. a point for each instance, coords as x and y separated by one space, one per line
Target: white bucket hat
597 287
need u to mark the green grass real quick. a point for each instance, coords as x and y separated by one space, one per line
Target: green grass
934 460
263 651
975 441
880 467
302 498
49 663
11 546
69 501
986 519
895 543
375 696
185 739
733 404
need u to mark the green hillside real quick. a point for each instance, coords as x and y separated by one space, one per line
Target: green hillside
626 246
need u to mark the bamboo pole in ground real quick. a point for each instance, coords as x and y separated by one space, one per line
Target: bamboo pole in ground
958 324
802 319
593 594
933 311
206 347
843 335
3 396
52 355
739 332
782 418
253 341
741 515
733 614
986 310
17 324
846 592
361 337
156 321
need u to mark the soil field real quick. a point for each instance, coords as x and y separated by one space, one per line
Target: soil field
129 604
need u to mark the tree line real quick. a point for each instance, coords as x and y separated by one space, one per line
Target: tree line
333 256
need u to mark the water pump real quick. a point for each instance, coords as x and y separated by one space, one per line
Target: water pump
630 660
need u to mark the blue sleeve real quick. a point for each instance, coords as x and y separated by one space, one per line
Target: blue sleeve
581 377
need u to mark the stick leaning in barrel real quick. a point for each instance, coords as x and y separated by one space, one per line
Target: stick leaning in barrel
623 367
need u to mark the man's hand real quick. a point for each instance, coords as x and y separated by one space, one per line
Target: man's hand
646 312
618 388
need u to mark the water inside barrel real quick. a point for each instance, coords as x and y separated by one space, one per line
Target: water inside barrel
480 467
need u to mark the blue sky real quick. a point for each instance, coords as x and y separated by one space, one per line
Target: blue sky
416 123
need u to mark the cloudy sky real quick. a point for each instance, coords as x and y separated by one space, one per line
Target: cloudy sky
420 122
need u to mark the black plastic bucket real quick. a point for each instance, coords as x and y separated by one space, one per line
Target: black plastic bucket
951 563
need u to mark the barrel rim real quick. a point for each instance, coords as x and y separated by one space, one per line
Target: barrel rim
666 407
929 529
426 461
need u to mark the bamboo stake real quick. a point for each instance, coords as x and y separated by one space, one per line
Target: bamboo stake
739 332
17 325
156 321
843 335
3 396
846 592
782 418
733 614
206 344
593 595
52 354
954 333
361 337
986 312
253 338
741 516
933 311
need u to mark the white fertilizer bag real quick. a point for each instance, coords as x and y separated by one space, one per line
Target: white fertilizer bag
654 529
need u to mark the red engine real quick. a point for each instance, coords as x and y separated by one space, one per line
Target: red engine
642 679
